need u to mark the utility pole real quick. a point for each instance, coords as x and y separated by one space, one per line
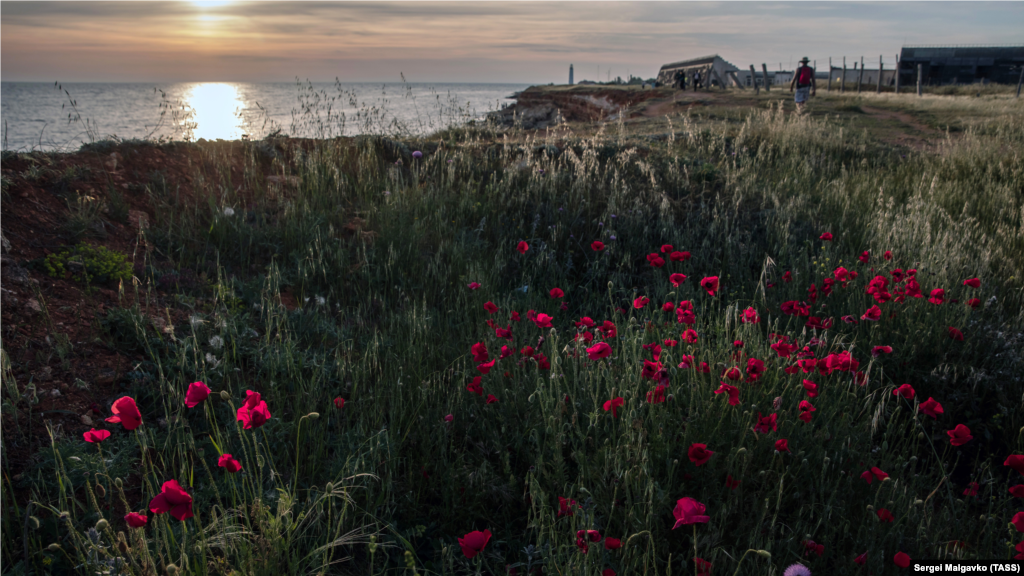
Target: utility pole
897 73
860 79
918 78
764 71
829 88
878 88
842 82
1020 80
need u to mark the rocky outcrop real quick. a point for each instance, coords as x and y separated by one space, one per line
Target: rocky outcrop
543 107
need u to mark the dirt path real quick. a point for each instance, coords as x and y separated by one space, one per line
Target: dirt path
908 130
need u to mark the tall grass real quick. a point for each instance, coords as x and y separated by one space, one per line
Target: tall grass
377 248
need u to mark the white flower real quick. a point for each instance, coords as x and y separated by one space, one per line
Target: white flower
217 342
229 211
212 360
320 301
195 321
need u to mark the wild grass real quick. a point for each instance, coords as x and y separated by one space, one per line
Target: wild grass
378 248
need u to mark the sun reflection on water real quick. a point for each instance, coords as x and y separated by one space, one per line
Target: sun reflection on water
216 108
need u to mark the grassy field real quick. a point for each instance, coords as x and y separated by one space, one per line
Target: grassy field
396 311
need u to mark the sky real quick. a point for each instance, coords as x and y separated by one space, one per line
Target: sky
515 42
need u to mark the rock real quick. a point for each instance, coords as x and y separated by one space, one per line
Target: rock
16 275
86 420
106 376
33 305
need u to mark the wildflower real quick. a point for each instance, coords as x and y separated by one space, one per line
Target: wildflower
172 498
474 542
597 245
668 306
885 516
417 154
613 405
901 559
506 351
887 255
640 302
650 369
931 407
197 392
938 296
811 388
475 387
860 560
956 334
523 247
449 418
1019 548
732 391
254 412
782 349
490 307
229 211
612 237
873 314
229 463
608 330
874 472
827 236
812 546
607 572
565 507
749 316
485 368
556 293
766 424
732 373
689 511
136 520
1018 521
703 567
974 303
782 445
473 285
787 277
657 396
960 435
973 283
805 410
492 399
126 413
699 454
798 569
1017 491
710 284
755 368
515 316
612 543
685 316
216 342
96 436
679 256
543 320
655 260
972 489
864 257
339 402
905 390
1015 461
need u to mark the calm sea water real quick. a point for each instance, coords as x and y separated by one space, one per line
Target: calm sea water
44 117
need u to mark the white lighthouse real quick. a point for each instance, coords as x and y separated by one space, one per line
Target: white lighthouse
570 74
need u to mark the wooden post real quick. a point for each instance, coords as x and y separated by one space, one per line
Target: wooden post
829 87
764 72
753 80
860 77
731 74
842 82
1020 80
897 73
878 89
918 78
721 83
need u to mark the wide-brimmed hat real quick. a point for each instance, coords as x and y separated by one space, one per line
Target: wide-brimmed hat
805 60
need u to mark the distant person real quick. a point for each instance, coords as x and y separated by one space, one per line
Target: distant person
803 78
696 80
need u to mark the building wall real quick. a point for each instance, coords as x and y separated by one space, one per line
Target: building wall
961 64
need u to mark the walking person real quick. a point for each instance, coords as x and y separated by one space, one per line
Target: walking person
803 79
696 80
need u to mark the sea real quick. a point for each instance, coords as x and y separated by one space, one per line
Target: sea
62 117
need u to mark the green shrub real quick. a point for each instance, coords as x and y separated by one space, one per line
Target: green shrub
89 264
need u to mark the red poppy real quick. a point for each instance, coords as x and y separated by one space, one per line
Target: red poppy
479 351
1015 461
685 316
640 302
339 402
689 511
599 350
197 392
827 236
755 368
597 245
608 329
527 351
787 276
938 296
607 572
676 279
973 282
931 407
651 369
226 461
473 285
861 559
972 489
613 405
1017 491
490 307
811 388
974 303
749 316
515 316
449 418
703 567
956 334
172 498
791 369
960 435
689 335
523 247
732 373
612 543
543 320
1018 521
737 343
565 507
136 520
704 368
905 390
655 260
699 454
492 399
901 559
885 516
485 368
879 350
475 387
254 412
805 410
783 349
507 351
873 314
766 424
668 306
782 445
811 546
732 391
864 257
556 293
657 396
679 256
1019 548
474 542
126 413
95 436
669 342
887 255
710 284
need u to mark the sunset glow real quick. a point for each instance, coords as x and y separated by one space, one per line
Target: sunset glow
215 107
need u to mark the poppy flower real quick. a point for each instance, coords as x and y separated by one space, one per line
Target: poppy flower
612 543
1018 521
339 402
879 350
136 520
755 368
589 535
960 435
172 498
226 461
704 367
1019 548
732 373
931 407
766 424
731 484
665 248
479 351
782 445
860 560
254 412
689 511
485 368
126 413
542 320
599 350
515 316
974 303
901 559
490 307
1017 491
449 418
710 284
827 236
749 316
650 369
905 390
608 329
811 388
703 567
689 336
685 316
607 572
527 351
805 410
474 542
96 436
640 302
1015 461
812 546
523 247
787 276
658 395
597 245
783 349
507 351
556 293
956 334
972 489
737 343
676 279
492 399
669 342
699 454
885 516
875 472
679 256
850 319
873 314
938 296
864 257
475 387
613 405
655 260
887 255
565 507
473 285
197 392
973 283
732 391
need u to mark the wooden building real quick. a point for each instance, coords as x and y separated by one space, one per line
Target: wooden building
961 64
712 68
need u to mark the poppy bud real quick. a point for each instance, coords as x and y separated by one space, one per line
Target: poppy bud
913 459
871 508
804 462
610 284
886 479
171 570
920 435
826 460
33 522
764 554
918 502
53 547
225 395
119 483
102 524
313 415
741 451
64 516
675 462
530 399
101 491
